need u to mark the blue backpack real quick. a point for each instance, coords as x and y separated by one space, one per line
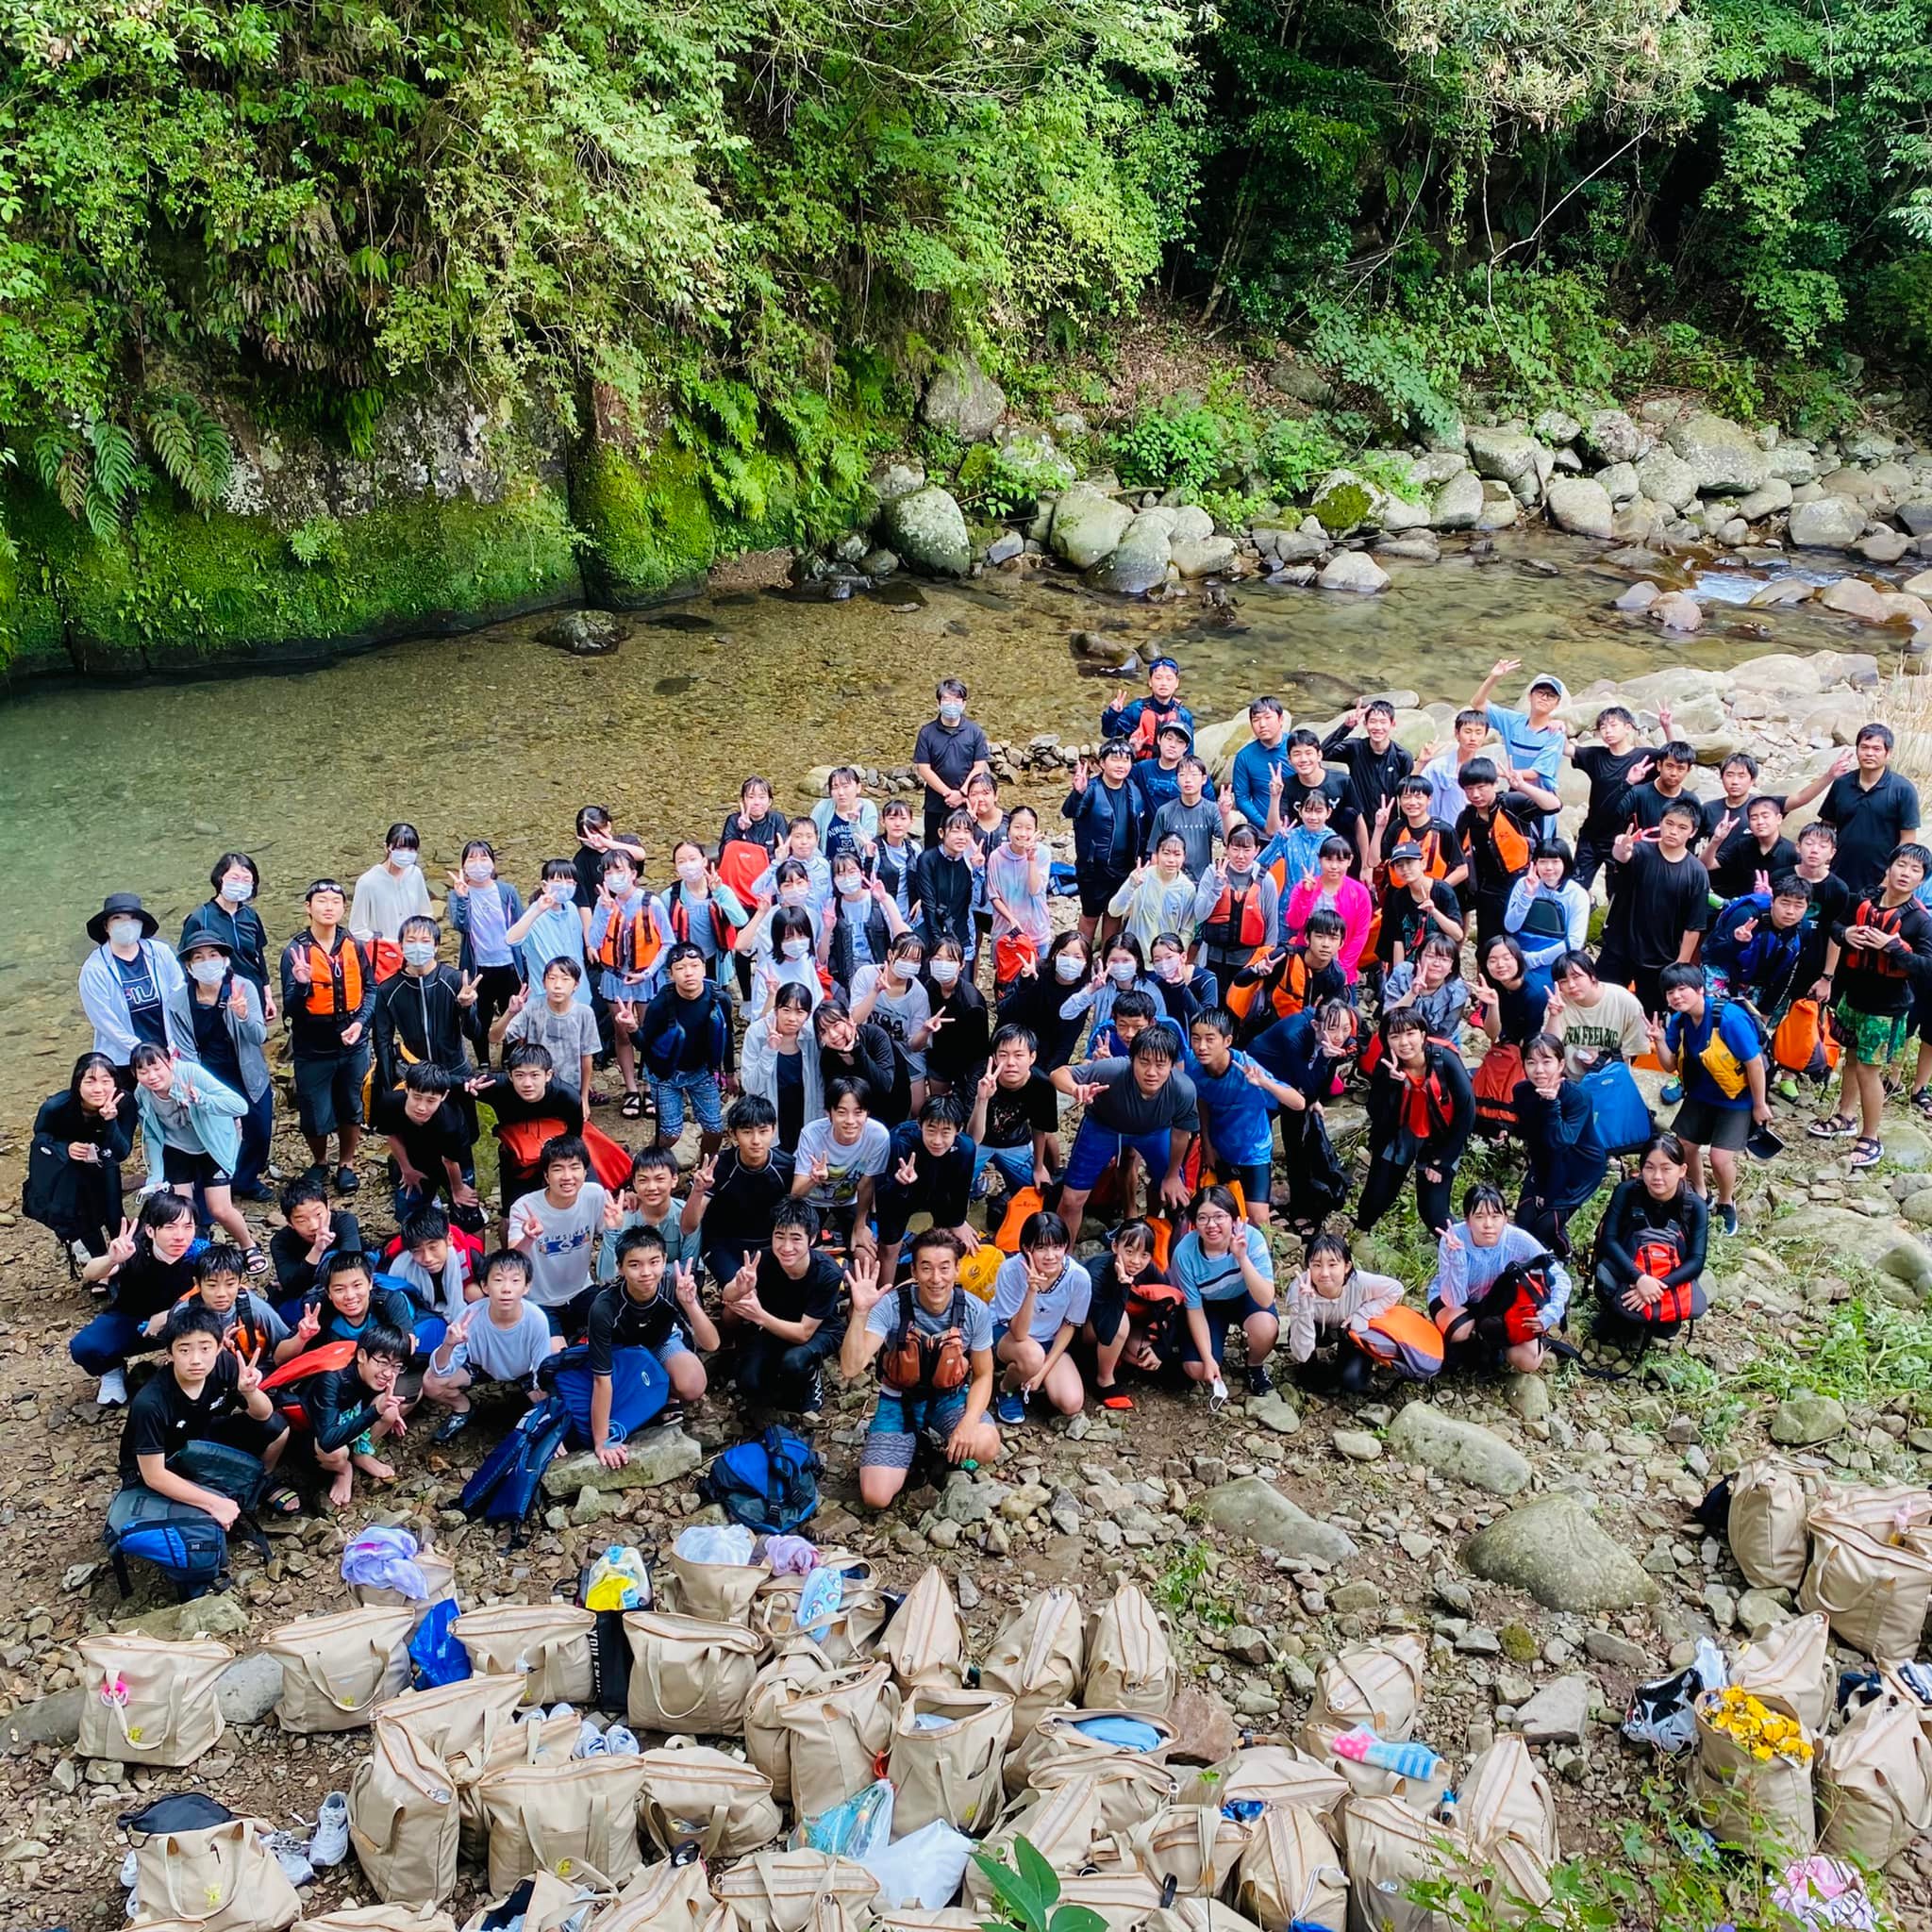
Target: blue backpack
182 1541
639 1389
770 1484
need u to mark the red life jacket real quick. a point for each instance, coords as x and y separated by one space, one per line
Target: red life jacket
1237 923
1885 965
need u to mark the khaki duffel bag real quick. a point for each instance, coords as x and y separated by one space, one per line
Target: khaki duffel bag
578 1820
776 1892
836 1729
221 1878
694 1794
335 1670
548 1645
947 1747
1039 1658
687 1675
403 1819
1130 1664
147 1701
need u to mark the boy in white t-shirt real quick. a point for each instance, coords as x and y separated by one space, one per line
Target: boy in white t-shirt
557 1230
500 1339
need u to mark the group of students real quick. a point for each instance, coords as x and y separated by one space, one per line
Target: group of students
874 1033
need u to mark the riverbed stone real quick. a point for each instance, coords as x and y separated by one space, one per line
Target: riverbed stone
1637 596
1458 503
1353 569
1500 509
1854 597
1677 610
1619 482
1765 501
1667 479
1251 1507
1558 1713
1470 1453
54 1720
1554 1548
1507 454
1884 546
1140 560
1581 505
1917 516
963 399
1726 456
658 1456
1200 556
1805 1418
1792 463
584 632
927 528
1833 522
1614 437
205 1616
249 1688
1087 525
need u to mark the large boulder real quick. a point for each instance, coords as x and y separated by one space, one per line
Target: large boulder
1458 503
1200 556
1611 437
963 399
1343 501
1893 1252
1140 560
1833 522
1556 427
1554 1548
1352 569
1507 454
1473 1454
1581 505
1792 463
1087 525
927 528
1191 524
1619 482
1252 1507
1773 496
1726 457
1666 477
658 1456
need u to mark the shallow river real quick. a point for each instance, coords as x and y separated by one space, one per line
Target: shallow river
493 735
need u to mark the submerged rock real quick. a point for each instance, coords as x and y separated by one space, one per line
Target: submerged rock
584 632
1351 570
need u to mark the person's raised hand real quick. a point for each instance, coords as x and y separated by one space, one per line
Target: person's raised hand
989 1083
248 1374
298 967
1088 1092
1118 702
684 1285
906 1173
1725 826
466 993
705 1173
1640 771
862 1282
1743 933
458 885
1846 762
1504 666
237 998
1079 774
613 1212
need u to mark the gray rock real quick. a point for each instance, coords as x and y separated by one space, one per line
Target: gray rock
658 1456
249 1688
1353 569
929 530
1191 524
1773 496
207 1616
1884 546
1087 525
1726 456
1275 1412
1805 1417
1792 463
1139 560
584 632
883 562
1422 1433
1357 1594
54 1720
1833 522
968 1498
1639 596
1253 1507
1358 1445
1619 482
898 479
1302 381
1558 1713
1678 610
1458 503
1200 556
1555 1549
1610 1647
1507 454
1759 1611
1665 477
1917 517
1204 1729
1005 547
1581 505
1556 426
962 398
1614 437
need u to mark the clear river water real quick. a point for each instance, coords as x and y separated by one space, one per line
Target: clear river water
111 788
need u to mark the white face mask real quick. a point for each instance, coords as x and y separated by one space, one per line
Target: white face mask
237 892
692 871
402 858
853 888
791 896
207 972
560 889
419 953
1068 968
1169 968
1120 971
945 972
480 872
797 949
123 932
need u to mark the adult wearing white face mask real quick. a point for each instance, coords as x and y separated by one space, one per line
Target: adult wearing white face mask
232 914
132 987
230 1037
392 892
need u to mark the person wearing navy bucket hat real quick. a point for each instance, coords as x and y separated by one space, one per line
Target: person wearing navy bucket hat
132 988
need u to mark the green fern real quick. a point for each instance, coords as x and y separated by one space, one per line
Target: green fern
190 445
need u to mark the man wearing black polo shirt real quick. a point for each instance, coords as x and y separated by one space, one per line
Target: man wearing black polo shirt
950 751
786 1308
1874 811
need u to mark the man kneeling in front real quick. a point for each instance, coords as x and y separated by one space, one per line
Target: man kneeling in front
933 1342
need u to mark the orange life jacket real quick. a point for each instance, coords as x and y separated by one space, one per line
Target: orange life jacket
1225 928
1508 843
916 1361
1887 965
335 979
630 942
722 934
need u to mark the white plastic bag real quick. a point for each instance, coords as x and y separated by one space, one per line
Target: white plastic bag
924 1868
711 1543
1664 1713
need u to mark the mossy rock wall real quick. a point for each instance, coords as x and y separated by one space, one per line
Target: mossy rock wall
175 590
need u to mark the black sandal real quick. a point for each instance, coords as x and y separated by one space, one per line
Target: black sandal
633 1107
282 1501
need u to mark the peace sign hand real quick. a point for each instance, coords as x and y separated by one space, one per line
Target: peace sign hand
706 1175
237 999
458 885
310 1326
613 1212
1079 774
906 1173
298 967
459 1331
248 1374
1640 771
989 1083
466 994
684 1285
1504 666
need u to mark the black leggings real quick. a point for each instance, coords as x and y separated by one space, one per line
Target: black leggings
778 1374
1384 1183
496 985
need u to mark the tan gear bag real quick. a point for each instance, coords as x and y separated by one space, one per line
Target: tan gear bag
1740 1797
665 1897
1507 1813
1194 1845
1061 1827
1039 1658
1132 1790
1291 1869
1130 1664
147 1701
765 1741
578 1820
925 1643
337 1669
1791 1661
1059 1740
553 1902
387 1918
1875 1782
1876 1590
1768 1528
221 1878
687 1675
776 1892
1277 1775
1124 1897
834 1732
403 1819
548 1645
1380 1685
847 1636
715 1592
1386 1847
694 1794
947 1747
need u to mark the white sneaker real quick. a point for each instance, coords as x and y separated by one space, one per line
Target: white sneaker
619 1742
563 1710
330 1844
590 1742
130 1871
291 1854
113 1393
77 1252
